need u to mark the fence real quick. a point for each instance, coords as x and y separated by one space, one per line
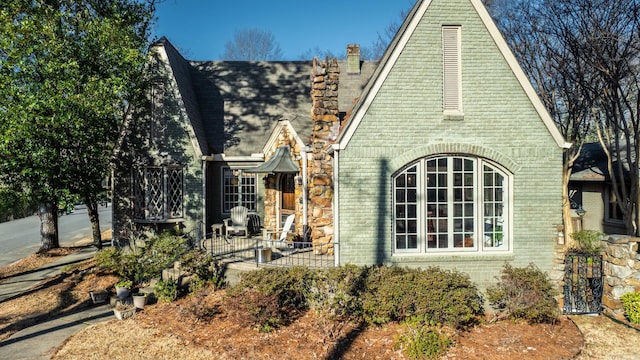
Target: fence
270 252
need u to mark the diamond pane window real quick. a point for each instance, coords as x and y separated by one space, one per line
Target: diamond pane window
158 193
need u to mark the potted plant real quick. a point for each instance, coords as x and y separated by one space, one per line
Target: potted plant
122 288
139 300
124 311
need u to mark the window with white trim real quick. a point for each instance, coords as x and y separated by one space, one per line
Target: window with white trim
238 189
158 193
451 70
450 203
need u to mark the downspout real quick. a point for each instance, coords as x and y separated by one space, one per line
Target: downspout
203 226
336 205
305 194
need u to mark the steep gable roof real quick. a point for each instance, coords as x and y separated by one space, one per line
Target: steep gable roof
395 49
185 95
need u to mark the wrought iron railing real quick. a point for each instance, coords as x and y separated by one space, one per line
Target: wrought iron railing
270 252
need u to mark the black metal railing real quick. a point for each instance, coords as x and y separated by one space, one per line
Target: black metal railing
270 252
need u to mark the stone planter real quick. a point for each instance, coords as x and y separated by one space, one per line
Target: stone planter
139 300
98 297
122 292
122 313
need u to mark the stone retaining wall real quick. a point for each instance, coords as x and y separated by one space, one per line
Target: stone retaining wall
621 272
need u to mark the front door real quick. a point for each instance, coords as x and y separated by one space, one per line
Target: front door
287 196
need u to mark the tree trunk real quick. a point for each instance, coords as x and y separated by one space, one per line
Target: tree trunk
566 207
48 214
92 210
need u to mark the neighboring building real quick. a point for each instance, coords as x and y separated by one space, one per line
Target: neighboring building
593 200
448 158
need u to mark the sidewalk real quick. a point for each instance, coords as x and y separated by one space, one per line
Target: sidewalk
38 342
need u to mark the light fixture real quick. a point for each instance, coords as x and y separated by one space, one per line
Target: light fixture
581 211
560 238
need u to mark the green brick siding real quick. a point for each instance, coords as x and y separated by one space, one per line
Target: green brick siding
405 122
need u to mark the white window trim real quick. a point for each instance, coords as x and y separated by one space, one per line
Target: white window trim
223 190
479 248
452 71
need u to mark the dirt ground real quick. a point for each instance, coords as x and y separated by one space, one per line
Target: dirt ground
174 331
163 329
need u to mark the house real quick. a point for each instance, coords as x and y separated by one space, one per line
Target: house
593 200
449 158
441 154
201 145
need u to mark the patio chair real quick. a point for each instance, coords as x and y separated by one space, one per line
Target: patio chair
281 242
238 222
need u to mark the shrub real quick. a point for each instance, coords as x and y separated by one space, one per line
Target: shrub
525 293
166 291
336 292
440 296
145 263
254 308
422 341
631 305
587 241
197 307
288 284
204 267
160 252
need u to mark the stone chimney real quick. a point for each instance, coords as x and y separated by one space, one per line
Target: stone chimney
353 59
325 113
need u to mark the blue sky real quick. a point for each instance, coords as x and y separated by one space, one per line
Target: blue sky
200 28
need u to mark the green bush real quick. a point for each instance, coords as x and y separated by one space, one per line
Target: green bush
525 293
440 296
144 263
288 284
587 241
631 305
422 341
336 292
204 267
166 291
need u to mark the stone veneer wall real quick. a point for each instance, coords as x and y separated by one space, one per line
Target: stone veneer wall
325 125
621 268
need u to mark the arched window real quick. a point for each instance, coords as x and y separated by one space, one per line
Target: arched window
451 203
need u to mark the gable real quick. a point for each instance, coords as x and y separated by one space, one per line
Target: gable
417 50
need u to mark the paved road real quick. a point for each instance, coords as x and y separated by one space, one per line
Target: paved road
20 238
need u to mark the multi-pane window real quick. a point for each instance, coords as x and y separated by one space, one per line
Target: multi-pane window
238 190
450 203
451 70
158 193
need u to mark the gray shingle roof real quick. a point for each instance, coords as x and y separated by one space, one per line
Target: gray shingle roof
234 105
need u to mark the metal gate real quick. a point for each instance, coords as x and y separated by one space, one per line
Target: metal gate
583 284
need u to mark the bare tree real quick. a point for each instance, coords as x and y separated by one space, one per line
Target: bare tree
252 45
582 58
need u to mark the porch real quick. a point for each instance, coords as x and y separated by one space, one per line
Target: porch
264 253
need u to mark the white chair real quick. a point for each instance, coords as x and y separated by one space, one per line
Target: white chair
238 222
284 232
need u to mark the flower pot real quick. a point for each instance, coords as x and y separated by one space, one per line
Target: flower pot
139 301
122 292
124 313
98 297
